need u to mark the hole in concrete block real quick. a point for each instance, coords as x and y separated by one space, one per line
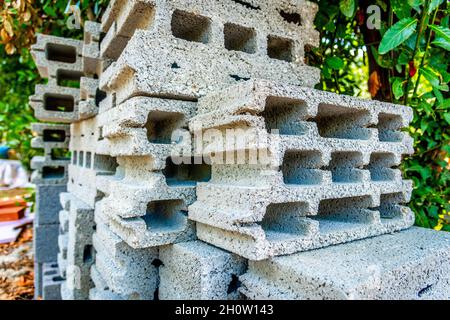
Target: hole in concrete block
425 290
186 174
58 279
81 159
69 79
175 66
343 167
54 265
61 53
156 294
246 4
284 221
291 17
61 103
190 26
100 134
239 38
380 167
105 165
342 123
98 197
88 254
340 214
390 205
165 215
161 125
53 172
301 167
50 272
280 48
51 135
99 96
388 126
239 78
157 263
234 284
284 114
88 160
74 157
60 154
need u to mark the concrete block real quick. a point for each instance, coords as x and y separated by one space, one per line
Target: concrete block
47 203
143 210
101 290
49 136
37 280
89 91
54 103
45 242
326 179
128 272
91 48
412 264
198 271
56 56
51 288
144 126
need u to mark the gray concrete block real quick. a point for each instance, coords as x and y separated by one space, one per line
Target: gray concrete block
51 287
49 136
47 204
55 55
198 271
412 264
101 290
127 272
46 242
91 48
54 103
37 280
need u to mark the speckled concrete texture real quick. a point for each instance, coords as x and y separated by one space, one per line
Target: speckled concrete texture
412 264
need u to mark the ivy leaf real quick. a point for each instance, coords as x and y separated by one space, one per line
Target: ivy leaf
397 34
397 88
433 5
347 7
447 117
401 9
335 63
442 37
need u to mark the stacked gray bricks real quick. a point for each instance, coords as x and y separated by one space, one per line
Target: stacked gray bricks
318 215
64 226
50 177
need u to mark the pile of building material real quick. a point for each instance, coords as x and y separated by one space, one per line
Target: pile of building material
205 166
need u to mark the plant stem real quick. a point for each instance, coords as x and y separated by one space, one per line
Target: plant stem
416 47
425 53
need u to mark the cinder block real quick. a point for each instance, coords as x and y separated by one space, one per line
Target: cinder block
101 290
37 280
56 56
91 48
87 106
80 251
127 272
51 288
327 177
198 271
46 242
49 136
47 203
412 264
54 103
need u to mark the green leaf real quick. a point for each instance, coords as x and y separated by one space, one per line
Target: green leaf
397 88
397 34
442 37
401 9
335 63
433 5
447 117
431 76
347 7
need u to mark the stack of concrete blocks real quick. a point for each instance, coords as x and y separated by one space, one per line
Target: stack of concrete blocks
50 177
323 196
70 96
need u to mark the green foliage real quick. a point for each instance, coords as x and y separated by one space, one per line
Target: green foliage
19 23
397 34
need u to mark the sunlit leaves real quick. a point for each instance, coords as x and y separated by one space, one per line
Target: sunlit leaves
397 34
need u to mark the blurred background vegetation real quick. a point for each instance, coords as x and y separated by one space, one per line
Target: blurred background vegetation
404 60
